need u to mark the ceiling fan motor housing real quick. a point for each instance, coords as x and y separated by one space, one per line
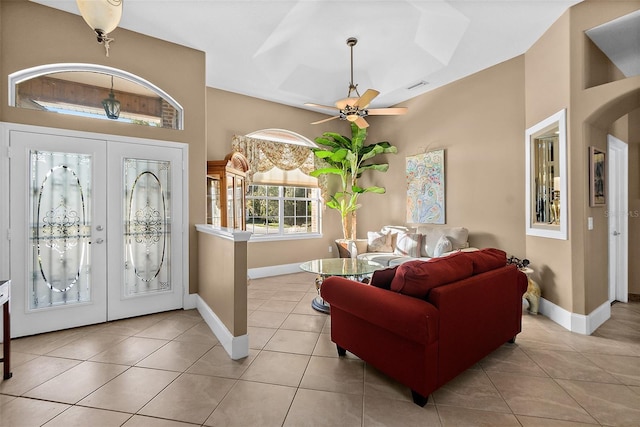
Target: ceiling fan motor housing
354 111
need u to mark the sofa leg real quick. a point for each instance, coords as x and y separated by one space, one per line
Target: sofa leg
419 399
512 340
341 351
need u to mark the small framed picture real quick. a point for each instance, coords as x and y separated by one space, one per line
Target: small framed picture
597 177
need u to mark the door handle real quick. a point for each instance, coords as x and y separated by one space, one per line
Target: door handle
615 233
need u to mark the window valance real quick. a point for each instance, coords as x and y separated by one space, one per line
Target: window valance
265 155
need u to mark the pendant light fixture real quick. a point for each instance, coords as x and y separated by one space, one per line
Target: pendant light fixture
103 16
111 104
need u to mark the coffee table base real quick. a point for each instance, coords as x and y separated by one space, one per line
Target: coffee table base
345 267
320 305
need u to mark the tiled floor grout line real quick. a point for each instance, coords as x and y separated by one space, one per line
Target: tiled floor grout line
586 410
535 331
498 391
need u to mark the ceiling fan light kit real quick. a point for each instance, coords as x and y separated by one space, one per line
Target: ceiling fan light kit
355 109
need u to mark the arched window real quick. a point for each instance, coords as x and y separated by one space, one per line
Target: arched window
283 136
283 201
80 89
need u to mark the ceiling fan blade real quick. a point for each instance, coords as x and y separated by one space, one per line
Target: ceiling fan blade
387 111
366 99
361 123
325 120
310 104
341 104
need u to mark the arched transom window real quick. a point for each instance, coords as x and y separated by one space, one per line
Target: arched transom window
82 89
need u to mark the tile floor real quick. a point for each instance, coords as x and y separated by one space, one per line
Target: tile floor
169 370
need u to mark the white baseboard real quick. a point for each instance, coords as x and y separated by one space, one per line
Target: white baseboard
597 317
580 323
236 347
274 270
190 301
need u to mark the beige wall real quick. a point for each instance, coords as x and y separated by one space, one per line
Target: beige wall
633 135
565 70
594 111
479 141
627 129
547 89
479 122
223 278
233 114
31 34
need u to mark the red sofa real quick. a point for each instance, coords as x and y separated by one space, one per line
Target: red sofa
424 322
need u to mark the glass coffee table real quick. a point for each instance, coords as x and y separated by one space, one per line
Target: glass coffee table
346 267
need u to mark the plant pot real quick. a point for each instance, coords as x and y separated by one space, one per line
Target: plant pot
348 248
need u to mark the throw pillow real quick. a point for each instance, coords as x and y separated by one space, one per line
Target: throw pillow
487 259
382 278
408 244
443 245
361 246
417 278
457 236
394 230
379 242
430 241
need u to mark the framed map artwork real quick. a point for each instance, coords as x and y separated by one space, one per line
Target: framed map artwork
425 188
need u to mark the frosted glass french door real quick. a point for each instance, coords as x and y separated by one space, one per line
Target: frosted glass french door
147 267
92 231
58 219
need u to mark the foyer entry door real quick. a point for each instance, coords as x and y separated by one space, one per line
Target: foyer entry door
618 217
96 234
145 211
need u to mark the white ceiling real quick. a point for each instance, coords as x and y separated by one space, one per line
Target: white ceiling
620 41
294 52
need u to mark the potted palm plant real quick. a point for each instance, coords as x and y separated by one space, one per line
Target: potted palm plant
349 158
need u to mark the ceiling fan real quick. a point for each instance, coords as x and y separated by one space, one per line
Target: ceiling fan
355 109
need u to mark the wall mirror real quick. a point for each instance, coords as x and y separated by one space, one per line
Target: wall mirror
95 91
546 178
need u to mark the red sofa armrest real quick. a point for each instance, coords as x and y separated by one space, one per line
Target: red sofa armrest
477 315
406 316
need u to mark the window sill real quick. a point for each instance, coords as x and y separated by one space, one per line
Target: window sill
256 238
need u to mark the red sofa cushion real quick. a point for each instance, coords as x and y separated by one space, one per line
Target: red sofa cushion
382 278
487 259
417 278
